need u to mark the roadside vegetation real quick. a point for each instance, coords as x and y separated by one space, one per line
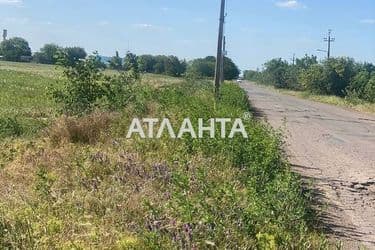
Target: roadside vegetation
77 183
340 81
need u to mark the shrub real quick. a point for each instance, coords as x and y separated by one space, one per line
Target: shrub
10 127
314 79
340 76
87 87
276 72
86 130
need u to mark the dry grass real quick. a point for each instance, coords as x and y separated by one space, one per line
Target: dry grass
86 130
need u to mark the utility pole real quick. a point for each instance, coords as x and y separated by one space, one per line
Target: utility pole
294 59
5 34
329 40
219 57
222 77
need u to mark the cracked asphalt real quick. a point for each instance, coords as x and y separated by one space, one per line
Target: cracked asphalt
334 149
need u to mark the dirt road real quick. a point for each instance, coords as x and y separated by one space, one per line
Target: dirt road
335 148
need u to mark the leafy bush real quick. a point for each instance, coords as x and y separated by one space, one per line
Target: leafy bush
314 79
362 86
10 127
47 54
337 76
276 72
87 87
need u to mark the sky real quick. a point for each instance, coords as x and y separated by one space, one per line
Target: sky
256 30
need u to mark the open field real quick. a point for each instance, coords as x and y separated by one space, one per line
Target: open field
81 184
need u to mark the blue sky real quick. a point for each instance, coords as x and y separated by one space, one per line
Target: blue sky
256 30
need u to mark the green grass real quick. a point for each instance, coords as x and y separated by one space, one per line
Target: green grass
32 68
82 185
358 105
25 106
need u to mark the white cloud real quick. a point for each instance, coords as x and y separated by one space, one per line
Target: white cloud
103 23
165 9
290 4
199 20
368 21
13 20
150 27
11 2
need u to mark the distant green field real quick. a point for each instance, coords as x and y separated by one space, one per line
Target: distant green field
32 68
25 101
25 106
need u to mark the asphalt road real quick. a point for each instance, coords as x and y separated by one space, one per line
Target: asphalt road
335 149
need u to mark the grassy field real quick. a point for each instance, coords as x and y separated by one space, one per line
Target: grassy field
78 183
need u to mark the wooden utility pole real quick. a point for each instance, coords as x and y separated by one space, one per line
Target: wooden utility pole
222 77
219 57
5 34
329 40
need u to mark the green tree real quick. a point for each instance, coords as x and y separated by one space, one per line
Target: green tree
146 63
370 89
306 62
340 72
231 70
173 66
314 79
252 75
203 67
47 54
116 62
74 54
97 59
276 72
130 62
14 49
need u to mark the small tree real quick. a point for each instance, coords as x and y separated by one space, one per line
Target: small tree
314 79
74 54
276 72
130 62
146 63
48 54
86 87
116 62
14 48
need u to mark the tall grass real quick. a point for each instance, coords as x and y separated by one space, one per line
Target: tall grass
163 193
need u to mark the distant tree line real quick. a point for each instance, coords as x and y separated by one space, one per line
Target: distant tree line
205 67
340 76
18 49
173 66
